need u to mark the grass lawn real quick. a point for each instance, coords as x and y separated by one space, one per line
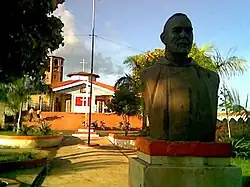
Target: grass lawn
245 166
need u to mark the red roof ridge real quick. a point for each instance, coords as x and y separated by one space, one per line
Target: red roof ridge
64 83
109 87
82 73
68 82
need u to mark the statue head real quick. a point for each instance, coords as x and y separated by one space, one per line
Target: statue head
177 34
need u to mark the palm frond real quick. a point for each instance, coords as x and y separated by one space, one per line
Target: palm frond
231 65
124 80
246 104
207 48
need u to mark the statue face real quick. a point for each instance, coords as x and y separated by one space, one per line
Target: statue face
179 35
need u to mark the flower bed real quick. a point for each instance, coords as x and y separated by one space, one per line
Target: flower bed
16 141
125 142
12 159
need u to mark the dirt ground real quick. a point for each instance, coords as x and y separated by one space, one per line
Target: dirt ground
104 166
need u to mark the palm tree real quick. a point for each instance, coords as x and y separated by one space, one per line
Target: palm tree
124 80
135 86
231 105
230 65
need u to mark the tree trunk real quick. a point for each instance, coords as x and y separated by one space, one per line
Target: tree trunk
126 130
228 126
19 117
2 115
144 118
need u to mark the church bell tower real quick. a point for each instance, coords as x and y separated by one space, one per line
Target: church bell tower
55 73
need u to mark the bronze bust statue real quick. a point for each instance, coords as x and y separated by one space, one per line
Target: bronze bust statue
180 96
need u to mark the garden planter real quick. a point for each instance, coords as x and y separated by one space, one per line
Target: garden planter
24 161
31 141
125 142
12 166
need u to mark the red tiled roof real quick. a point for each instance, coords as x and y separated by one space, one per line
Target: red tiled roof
64 83
104 85
68 82
82 74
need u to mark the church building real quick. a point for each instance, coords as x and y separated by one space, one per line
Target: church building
72 95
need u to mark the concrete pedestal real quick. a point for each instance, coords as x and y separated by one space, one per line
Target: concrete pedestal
168 169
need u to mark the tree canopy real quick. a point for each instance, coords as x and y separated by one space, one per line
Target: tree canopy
32 34
125 102
206 56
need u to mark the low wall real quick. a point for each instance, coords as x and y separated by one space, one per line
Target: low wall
31 141
73 121
125 142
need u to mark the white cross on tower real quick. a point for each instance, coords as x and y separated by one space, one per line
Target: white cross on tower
83 62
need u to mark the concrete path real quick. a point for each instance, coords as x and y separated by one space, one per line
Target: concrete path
105 166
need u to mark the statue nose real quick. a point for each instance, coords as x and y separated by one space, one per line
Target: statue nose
183 33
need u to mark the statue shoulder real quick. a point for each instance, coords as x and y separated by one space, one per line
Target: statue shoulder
212 74
150 70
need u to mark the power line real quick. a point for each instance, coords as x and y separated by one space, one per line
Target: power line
115 42
78 35
109 40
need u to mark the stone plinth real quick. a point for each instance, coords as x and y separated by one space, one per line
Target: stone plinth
182 164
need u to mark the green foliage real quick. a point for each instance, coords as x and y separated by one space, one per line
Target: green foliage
230 65
19 91
8 156
125 102
27 42
230 104
241 148
207 56
26 130
245 166
16 93
45 128
226 100
202 56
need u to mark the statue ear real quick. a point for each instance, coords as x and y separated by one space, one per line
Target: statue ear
163 38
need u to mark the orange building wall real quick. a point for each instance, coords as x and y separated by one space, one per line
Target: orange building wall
34 99
73 121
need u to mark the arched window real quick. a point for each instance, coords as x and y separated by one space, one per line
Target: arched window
56 65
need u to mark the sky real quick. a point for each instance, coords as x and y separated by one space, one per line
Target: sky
130 27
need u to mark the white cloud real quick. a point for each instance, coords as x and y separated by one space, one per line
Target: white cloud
70 28
108 56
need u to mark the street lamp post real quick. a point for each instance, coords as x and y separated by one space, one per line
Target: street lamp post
91 67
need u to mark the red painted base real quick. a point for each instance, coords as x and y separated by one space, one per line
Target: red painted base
166 148
85 145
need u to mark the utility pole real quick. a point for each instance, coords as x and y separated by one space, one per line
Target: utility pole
91 67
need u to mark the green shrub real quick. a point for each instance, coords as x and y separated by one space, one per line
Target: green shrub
45 128
241 148
27 130
16 156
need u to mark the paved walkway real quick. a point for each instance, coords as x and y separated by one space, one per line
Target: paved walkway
105 166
